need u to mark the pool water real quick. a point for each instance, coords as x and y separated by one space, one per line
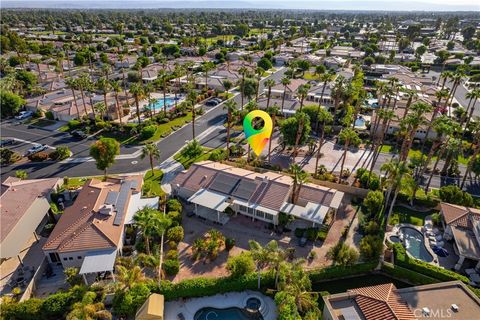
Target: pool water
253 304
225 314
415 244
360 122
395 239
158 105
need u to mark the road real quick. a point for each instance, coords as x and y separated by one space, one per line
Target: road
168 146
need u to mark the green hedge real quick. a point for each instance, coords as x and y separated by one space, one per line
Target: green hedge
403 260
200 287
341 271
407 274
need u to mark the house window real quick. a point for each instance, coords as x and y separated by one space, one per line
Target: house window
79 258
242 208
250 211
260 214
70 258
64 259
269 216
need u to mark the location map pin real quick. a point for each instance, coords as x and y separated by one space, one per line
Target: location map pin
257 139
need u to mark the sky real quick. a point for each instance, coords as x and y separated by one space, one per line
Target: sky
386 5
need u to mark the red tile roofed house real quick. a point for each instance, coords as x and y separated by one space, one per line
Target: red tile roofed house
446 300
92 229
213 187
290 93
462 224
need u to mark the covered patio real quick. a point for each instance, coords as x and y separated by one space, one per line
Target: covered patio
210 205
311 212
98 262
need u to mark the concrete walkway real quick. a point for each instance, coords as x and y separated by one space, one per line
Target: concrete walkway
170 168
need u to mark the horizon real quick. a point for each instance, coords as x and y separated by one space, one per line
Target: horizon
339 5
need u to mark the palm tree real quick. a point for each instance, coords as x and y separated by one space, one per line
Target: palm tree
127 277
231 107
302 92
207 67
397 175
302 118
324 117
191 98
457 78
115 85
100 108
285 82
347 135
273 111
476 151
243 72
260 256
160 224
104 86
88 309
162 82
300 177
72 83
137 91
475 95
269 83
410 125
146 219
151 151
337 92
325 78
227 85
81 83
411 94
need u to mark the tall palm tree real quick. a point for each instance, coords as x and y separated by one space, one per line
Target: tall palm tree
337 92
127 277
324 117
88 309
302 92
81 83
261 257
231 107
300 177
137 91
100 108
476 151
410 124
302 119
104 86
457 78
269 83
325 78
243 72
347 135
397 175
72 83
285 82
273 111
115 85
412 95
151 151
475 95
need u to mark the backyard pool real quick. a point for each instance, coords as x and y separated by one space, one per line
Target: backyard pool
225 314
414 243
158 105
360 122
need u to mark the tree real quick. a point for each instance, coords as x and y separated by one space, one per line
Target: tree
397 177
300 177
302 92
265 63
88 309
349 137
371 247
241 264
273 111
104 151
150 221
296 130
11 103
454 195
21 174
231 107
115 85
285 82
374 202
269 84
342 254
151 151
261 257
137 91
324 117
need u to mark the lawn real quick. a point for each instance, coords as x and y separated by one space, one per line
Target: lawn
152 183
417 153
213 40
77 182
311 76
41 122
187 162
165 129
404 215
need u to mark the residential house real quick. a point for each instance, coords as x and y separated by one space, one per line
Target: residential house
291 89
334 62
216 188
462 224
90 233
445 300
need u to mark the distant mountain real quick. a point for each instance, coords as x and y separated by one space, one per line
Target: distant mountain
268 4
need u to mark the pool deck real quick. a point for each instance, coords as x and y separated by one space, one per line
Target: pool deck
189 307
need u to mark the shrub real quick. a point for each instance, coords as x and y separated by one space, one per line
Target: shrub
175 216
74 124
172 244
241 264
371 247
49 115
175 234
374 202
60 153
342 254
147 132
174 205
455 195
229 243
172 255
171 266
38 157
8 156
406 274
127 303
218 155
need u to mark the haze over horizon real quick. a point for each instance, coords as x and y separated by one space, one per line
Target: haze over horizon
370 5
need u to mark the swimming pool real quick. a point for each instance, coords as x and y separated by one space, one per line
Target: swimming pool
225 314
414 243
360 122
158 105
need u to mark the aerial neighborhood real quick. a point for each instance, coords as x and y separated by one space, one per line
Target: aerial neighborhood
132 185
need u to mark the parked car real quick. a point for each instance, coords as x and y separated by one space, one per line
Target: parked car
35 149
7 142
439 251
79 134
24 114
211 103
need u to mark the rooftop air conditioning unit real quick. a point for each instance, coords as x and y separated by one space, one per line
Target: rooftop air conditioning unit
455 307
425 311
106 209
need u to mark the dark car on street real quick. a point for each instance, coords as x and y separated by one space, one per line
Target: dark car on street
78 134
7 142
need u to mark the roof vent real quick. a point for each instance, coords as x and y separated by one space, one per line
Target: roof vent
455 307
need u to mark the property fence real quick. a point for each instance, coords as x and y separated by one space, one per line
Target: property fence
27 294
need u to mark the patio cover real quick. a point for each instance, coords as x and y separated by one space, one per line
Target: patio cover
98 261
137 203
311 212
209 199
